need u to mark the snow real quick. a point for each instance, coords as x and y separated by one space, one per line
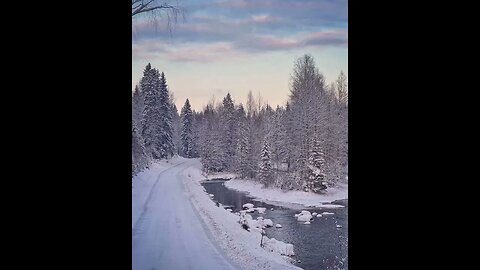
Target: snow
166 226
330 206
241 246
327 213
304 216
274 195
278 226
314 214
229 210
144 181
307 222
261 210
220 175
339 226
273 245
268 222
247 205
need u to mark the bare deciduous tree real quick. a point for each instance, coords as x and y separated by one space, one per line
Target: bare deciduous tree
155 8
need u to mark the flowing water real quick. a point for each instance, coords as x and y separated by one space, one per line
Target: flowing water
320 245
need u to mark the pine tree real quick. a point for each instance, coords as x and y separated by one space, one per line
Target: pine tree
186 135
165 134
176 127
150 116
316 166
244 164
228 127
137 105
265 172
139 155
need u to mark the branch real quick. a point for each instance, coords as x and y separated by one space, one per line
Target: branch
144 8
136 6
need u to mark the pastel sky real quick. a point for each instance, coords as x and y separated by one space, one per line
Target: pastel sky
240 45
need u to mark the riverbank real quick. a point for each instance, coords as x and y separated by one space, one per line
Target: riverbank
241 246
276 196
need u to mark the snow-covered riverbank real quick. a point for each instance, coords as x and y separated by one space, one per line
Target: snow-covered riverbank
241 246
275 196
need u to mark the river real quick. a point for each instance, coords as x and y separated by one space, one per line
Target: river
320 245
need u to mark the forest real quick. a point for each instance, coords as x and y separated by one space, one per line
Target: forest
301 145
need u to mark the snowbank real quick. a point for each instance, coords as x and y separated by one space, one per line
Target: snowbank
241 246
278 226
143 183
273 245
295 197
221 175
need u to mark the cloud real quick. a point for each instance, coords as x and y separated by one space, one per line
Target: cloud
236 28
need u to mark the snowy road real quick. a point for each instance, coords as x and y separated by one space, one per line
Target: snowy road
169 233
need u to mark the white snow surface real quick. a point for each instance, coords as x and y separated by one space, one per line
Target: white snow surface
240 246
222 175
273 245
261 210
143 182
167 232
247 205
304 218
274 195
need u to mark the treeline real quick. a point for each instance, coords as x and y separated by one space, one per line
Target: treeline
296 146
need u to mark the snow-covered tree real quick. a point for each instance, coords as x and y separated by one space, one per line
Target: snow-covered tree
165 121
228 126
265 171
139 155
213 154
137 106
151 115
306 93
176 126
186 135
316 166
244 163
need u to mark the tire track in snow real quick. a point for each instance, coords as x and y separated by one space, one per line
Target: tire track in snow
141 220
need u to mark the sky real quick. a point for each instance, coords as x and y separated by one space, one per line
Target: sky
238 46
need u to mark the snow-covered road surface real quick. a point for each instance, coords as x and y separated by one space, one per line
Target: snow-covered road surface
169 233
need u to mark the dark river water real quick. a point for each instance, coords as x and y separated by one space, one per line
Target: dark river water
320 245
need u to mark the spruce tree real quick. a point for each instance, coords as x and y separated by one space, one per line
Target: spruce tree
265 172
165 134
150 116
316 166
186 135
228 127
